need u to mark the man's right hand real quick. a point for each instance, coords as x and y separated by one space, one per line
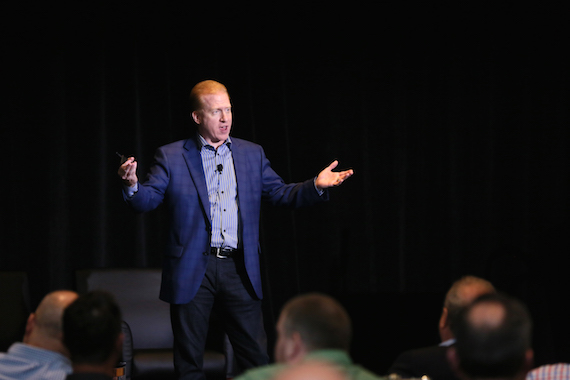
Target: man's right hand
128 172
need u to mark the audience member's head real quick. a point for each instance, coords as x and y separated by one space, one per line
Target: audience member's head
493 339
312 370
308 323
44 326
92 332
461 294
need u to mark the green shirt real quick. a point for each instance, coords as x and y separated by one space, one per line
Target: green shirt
338 357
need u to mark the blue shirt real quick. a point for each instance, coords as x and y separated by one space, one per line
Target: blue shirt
221 182
26 362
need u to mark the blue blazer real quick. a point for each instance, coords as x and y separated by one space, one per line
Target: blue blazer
177 179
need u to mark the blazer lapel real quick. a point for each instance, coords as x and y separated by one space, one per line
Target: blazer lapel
240 166
194 163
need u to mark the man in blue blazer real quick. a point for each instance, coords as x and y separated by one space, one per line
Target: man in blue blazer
213 185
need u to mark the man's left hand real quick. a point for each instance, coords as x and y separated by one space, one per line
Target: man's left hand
327 178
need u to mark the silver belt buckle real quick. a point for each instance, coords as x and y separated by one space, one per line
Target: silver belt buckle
218 250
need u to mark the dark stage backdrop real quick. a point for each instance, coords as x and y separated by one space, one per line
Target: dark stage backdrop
454 118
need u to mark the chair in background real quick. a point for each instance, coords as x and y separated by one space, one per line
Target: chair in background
136 291
127 356
14 307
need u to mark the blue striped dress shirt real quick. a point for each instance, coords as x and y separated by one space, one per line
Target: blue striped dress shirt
33 363
222 193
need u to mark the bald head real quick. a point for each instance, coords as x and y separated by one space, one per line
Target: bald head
44 328
462 293
466 290
486 316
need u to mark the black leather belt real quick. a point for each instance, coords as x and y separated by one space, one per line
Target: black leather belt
224 253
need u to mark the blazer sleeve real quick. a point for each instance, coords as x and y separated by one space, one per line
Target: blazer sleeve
293 195
151 192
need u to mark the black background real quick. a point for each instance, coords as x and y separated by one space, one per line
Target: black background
454 118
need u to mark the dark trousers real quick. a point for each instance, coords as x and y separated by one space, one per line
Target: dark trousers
226 288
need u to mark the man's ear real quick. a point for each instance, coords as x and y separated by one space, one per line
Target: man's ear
196 117
30 325
120 341
444 319
297 349
119 346
528 360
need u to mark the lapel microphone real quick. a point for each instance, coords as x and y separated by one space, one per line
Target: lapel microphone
220 168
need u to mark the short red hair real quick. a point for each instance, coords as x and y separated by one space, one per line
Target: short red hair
206 87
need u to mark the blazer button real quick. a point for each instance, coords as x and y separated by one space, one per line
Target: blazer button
206 253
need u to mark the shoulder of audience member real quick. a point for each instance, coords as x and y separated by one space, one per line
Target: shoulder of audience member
265 372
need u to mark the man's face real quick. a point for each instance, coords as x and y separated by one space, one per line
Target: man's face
214 119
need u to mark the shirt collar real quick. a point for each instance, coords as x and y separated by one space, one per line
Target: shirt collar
202 142
26 350
447 343
335 355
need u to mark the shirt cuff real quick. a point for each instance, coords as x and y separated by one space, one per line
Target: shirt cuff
320 192
131 191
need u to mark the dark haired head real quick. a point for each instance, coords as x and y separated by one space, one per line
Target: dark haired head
493 337
321 321
91 327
